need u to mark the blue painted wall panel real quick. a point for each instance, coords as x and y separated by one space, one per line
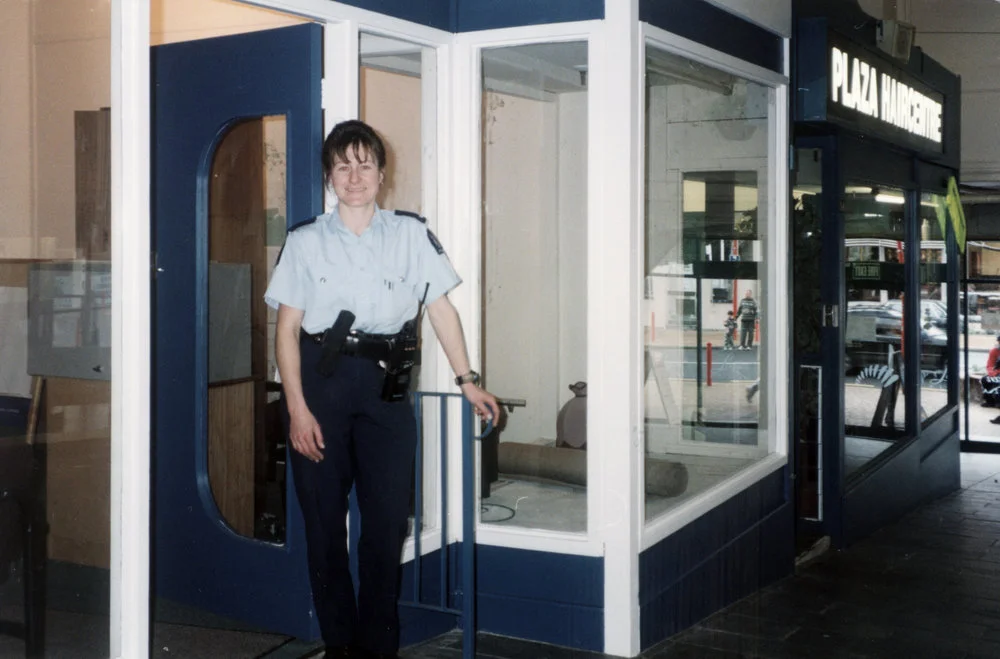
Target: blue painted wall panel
541 596
491 14
524 574
733 550
471 15
709 24
543 621
433 13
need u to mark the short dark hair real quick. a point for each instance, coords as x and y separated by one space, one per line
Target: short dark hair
355 135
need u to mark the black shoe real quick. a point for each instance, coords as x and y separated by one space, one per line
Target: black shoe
342 652
995 420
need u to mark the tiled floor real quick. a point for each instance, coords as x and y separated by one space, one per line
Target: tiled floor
925 587
928 586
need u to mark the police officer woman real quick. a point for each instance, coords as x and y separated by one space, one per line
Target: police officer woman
344 427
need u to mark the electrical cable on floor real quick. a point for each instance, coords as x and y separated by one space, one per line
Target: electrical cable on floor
485 509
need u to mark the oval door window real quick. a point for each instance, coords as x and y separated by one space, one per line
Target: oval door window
246 227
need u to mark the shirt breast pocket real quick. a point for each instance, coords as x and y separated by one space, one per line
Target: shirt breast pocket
397 303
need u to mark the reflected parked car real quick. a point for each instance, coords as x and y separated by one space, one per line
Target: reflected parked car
935 312
874 333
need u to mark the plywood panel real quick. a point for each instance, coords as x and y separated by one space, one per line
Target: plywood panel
238 234
93 184
231 453
77 437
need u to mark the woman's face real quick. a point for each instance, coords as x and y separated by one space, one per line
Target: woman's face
357 180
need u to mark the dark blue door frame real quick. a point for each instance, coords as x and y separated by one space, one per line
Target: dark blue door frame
200 89
831 298
849 159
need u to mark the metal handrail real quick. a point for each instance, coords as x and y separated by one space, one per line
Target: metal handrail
468 554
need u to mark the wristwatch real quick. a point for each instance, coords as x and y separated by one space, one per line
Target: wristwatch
471 376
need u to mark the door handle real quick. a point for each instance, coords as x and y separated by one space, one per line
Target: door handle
831 315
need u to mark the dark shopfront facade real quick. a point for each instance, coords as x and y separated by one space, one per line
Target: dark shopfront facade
875 271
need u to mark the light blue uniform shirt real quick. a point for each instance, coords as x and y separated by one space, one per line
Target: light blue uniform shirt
380 275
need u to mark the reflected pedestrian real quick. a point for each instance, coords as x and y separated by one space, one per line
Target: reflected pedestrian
991 381
747 315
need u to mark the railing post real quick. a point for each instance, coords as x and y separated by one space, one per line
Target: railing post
468 535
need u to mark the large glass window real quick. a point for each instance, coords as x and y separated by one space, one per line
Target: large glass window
534 297
981 315
874 413
392 101
704 311
55 327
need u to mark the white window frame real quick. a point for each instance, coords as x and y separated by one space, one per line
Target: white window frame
614 518
776 315
467 232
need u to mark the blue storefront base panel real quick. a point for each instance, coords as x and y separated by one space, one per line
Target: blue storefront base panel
418 624
710 25
730 552
490 14
470 15
921 470
541 596
432 13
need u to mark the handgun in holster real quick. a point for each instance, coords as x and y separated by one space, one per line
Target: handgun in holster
333 340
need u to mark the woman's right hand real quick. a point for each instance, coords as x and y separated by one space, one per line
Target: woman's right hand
305 435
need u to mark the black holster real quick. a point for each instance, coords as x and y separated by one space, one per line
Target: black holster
404 354
333 340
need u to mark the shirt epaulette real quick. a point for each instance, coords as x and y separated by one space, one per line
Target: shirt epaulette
302 224
420 218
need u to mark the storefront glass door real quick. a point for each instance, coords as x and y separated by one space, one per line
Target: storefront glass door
874 367
980 326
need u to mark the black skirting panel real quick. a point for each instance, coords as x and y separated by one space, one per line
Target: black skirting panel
541 596
730 552
709 24
924 469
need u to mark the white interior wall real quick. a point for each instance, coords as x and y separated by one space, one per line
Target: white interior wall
185 20
521 260
15 131
572 243
56 58
72 56
390 103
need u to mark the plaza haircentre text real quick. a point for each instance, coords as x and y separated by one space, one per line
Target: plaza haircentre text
858 85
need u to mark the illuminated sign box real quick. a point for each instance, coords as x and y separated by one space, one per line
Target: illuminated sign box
861 86
841 82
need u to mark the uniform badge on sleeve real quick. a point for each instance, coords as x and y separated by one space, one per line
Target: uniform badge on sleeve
435 242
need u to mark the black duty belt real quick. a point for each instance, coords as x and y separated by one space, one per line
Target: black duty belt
359 344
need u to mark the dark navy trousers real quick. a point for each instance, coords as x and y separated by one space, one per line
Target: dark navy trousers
369 444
